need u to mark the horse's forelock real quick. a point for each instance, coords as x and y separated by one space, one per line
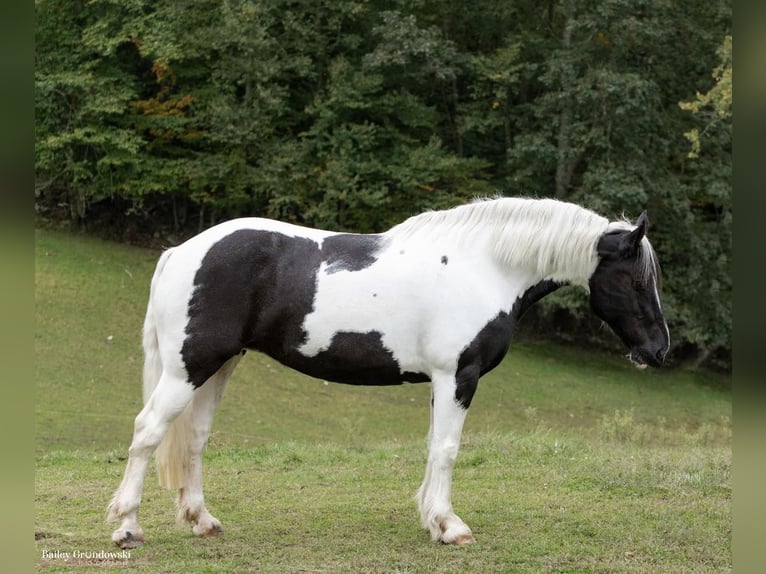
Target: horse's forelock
647 267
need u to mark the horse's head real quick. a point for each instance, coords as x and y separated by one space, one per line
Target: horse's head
624 293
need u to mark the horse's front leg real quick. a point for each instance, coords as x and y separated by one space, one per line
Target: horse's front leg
435 495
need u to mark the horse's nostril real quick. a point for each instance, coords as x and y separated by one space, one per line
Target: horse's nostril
661 355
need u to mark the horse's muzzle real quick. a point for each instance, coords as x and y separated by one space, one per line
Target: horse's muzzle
642 358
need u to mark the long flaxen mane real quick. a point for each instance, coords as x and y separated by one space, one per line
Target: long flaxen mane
552 238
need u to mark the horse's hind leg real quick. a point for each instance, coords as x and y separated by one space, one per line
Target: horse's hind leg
169 398
191 502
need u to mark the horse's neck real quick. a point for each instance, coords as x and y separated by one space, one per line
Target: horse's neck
541 263
545 239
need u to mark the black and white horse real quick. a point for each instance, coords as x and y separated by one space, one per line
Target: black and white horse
435 298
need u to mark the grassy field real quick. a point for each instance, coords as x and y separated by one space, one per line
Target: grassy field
571 461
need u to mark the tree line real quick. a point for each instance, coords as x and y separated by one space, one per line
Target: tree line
164 117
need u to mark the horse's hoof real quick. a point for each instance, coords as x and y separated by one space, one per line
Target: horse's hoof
458 535
209 531
462 539
127 539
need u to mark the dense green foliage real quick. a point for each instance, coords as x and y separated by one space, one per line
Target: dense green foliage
168 116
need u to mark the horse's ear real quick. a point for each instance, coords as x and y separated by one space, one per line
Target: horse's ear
631 241
643 222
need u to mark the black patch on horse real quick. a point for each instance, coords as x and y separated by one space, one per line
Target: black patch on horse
491 344
252 290
350 252
356 359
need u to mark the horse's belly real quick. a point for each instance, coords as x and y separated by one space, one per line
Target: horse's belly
353 358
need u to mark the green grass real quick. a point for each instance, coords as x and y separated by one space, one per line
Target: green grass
571 461
536 504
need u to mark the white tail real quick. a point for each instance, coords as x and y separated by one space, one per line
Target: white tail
172 454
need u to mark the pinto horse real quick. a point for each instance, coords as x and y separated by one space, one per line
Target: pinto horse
435 298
